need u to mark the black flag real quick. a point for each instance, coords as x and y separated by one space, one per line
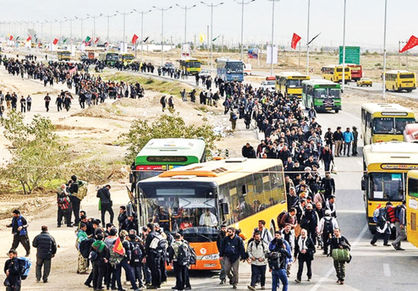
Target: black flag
145 40
313 38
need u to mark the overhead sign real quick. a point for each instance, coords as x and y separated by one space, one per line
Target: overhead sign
352 55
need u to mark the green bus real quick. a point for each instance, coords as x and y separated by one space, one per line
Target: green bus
162 154
322 95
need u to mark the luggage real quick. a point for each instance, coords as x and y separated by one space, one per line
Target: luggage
341 255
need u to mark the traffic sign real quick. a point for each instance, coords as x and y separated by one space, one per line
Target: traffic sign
352 55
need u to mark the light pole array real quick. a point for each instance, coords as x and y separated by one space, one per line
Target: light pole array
185 7
211 5
343 80
307 37
384 51
162 30
142 29
272 35
124 25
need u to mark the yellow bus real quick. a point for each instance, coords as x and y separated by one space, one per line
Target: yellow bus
385 166
63 55
400 80
290 83
382 122
412 207
236 192
334 73
127 59
190 66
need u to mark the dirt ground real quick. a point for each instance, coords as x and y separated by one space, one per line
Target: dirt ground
93 135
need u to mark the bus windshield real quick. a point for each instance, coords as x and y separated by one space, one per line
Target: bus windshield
294 83
386 186
235 67
180 206
326 92
413 187
390 125
406 76
112 57
193 64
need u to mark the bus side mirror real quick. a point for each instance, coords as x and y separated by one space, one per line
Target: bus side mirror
225 208
131 178
363 183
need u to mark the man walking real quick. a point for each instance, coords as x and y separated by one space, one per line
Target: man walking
46 249
179 255
105 203
278 263
47 100
219 239
73 187
338 141
231 251
12 271
400 224
304 252
257 250
355 141
19 227
340 242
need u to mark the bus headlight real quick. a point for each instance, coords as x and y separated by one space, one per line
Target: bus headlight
210 257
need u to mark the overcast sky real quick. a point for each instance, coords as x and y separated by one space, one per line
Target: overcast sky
364 19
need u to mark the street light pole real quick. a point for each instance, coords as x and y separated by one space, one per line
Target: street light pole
384 52
162 30
242 2
211 5
272 36
124 26
343 78
307 37
185 7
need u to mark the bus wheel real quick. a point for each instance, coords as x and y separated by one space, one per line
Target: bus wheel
409 90
337 110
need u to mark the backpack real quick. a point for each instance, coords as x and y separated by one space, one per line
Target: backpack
24 267
162 243
328 227
183 255
136 253
85 247
281 219
378 215
398 212
115 258
193 257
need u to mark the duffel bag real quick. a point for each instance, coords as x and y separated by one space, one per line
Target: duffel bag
341 255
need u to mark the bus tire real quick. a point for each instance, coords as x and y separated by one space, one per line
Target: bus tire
409 90
337 110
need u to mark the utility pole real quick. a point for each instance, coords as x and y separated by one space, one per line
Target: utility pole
185 7
307 38
272 36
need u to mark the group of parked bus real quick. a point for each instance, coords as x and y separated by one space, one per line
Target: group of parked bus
390 161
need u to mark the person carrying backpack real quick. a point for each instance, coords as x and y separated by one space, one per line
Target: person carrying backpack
12 270
46 250
105 203
82 263
257 250
137 255
340 243
64 207
277 260
380 216
153 256
400 225
180 257
326 228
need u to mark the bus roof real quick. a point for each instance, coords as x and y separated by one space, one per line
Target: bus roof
218 60
385 107
399 72
391 153
291 74
314 82
173 147
220 171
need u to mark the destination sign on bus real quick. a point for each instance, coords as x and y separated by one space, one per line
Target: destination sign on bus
167 159
399 166
394 113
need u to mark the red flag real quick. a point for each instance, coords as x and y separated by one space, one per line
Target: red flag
134 39
295 39
11 37
29 38
55 41
118 247
97 40
413 41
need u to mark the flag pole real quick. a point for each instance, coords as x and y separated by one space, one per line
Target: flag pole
299 58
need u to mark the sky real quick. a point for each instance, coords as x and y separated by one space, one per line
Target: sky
364 25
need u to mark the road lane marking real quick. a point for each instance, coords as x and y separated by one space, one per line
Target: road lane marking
331 270
386 270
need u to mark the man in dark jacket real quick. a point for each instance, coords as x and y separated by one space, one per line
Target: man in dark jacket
153 256
105 203
328 184
232 250
46 250
75 201
19 227
12 271
304 252
248 151
219 238
355 141
278 263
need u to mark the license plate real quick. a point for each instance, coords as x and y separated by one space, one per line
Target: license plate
328 108
209 265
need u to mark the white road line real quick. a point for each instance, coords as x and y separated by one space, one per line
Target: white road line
386 270
331 270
